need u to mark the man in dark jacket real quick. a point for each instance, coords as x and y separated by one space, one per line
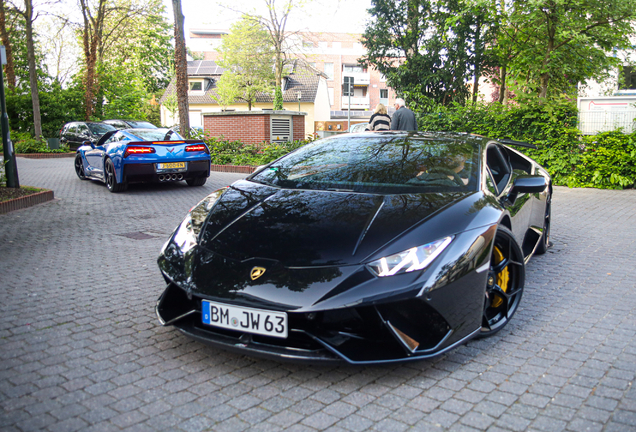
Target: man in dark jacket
403 118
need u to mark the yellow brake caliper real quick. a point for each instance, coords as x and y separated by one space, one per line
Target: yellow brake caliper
503 277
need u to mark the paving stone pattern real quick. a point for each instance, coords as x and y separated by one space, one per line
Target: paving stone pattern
81 348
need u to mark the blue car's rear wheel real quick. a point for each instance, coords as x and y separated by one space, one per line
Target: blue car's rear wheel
111 178
79 167
504 287
199 181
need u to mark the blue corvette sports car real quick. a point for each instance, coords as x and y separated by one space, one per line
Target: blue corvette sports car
143 155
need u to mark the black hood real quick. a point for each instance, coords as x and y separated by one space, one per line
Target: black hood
301 228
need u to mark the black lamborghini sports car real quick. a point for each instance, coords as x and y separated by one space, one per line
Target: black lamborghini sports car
367 248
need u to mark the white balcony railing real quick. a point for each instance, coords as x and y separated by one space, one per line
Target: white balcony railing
359 78
356 102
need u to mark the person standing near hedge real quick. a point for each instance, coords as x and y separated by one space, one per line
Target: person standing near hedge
380 120
403 118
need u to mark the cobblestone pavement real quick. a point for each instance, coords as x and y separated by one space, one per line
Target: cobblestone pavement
81 348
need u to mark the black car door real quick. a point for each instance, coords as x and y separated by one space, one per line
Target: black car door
503 177
69 136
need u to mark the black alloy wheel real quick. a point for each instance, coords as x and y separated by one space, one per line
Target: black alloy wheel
111 179
504 286
79 167
544 243
198 181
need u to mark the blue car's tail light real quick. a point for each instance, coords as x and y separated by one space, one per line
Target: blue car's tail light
138 150
197 147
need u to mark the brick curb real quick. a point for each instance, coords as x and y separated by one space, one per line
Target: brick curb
26 201
243 169
45 155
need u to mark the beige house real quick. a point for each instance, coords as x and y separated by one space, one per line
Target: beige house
304 89
334 54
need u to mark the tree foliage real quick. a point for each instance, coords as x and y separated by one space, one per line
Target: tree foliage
247 55
132 32
227 91
29 15
275 23
143 42
430 50
554 44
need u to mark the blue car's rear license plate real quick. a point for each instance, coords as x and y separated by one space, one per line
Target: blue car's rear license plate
171 166
249 320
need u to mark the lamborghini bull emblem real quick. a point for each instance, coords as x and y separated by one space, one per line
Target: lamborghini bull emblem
257 272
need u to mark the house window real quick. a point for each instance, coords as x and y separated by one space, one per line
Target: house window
384 93
350 68
329 70
308 44
196 86
627 79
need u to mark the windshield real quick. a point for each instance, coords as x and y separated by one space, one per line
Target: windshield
141 124
386 164
156 134
100 128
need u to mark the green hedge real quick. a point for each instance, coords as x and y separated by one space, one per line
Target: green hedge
226 152
606 160
23 142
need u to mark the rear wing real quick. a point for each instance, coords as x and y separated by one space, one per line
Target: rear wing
517 143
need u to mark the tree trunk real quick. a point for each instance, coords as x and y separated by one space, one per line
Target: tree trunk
502 85
478 51
181 70
33 73
91 35
9 68
545 80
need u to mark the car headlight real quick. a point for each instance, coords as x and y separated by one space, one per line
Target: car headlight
413 259
186 235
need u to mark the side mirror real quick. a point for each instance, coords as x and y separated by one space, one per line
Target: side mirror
90 143
528 184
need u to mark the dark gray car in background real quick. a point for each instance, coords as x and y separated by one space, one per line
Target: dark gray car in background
75 134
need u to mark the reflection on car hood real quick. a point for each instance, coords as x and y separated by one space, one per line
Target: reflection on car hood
300 228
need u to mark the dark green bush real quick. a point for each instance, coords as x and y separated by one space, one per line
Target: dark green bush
23 142
606 160
224 152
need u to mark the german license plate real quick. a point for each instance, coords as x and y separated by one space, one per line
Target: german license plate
170 165
245 319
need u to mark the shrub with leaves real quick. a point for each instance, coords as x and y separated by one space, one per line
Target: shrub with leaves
225 152
606 160
23 142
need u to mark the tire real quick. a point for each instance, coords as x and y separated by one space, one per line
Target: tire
198 181
544 242
111 178
79 167
504 287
